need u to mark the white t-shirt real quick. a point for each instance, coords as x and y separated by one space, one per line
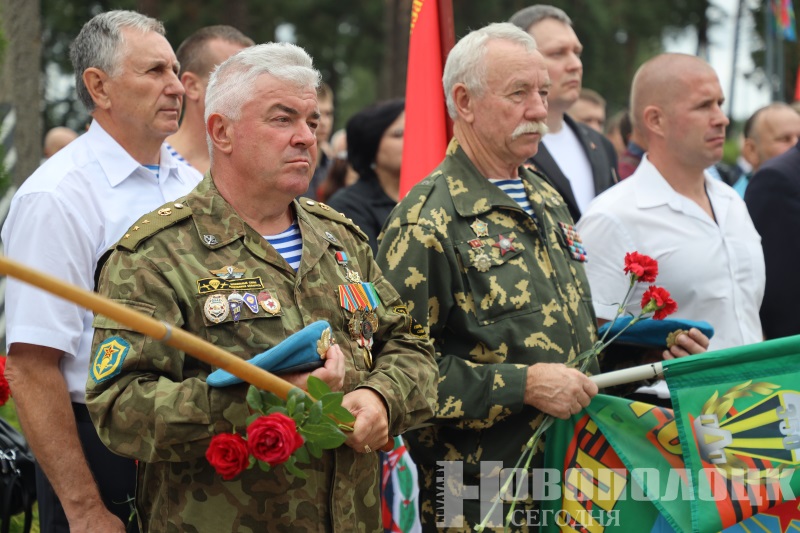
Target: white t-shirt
568 152
713 270
65 216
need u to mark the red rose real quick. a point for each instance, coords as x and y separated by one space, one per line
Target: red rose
644 268
273 438
658 299
228 454
5 391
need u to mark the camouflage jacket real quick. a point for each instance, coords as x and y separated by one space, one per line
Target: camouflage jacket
497 292
154 405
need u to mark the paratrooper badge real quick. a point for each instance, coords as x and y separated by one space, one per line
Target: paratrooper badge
228 272
216 308
251 302
108 358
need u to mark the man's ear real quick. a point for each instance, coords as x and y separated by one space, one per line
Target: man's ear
653 120
750 153
193 86
464 102
219 128
97 83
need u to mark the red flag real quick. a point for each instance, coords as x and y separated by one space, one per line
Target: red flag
797 86
426 130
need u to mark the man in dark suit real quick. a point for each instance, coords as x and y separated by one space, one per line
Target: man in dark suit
579 162
773 199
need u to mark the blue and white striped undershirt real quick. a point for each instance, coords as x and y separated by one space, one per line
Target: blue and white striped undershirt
289 244
516 190
153 169
174 153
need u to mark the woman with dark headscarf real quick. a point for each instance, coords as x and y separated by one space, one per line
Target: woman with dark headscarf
374 150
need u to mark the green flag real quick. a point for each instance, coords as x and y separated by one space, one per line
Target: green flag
621 470
738 417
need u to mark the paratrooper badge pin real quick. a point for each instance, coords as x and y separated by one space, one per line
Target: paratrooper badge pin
251 301
228 272
235 301
216 308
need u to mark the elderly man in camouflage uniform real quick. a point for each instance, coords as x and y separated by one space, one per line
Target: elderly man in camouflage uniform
481 249
183 262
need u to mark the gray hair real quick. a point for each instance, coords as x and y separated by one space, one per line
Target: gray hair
231 84
466 64
100 45
525 18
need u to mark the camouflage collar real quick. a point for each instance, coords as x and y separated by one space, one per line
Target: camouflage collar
472 193
216 221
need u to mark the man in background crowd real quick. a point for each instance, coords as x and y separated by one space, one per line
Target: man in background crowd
199 54
579 162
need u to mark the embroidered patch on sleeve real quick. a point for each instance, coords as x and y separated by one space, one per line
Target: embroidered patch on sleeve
108 358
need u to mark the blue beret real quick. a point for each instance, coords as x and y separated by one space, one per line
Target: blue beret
297 353
651 333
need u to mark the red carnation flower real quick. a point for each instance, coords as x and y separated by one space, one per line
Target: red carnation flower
5 391
658 299
273 438
644 268
228 454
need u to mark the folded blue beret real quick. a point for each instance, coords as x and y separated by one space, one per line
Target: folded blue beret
297 353
651 333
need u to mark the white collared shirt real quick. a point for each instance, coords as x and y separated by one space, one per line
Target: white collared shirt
713 270
567 151
65 216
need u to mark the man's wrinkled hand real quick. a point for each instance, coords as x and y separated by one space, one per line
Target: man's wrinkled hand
371 429
557 390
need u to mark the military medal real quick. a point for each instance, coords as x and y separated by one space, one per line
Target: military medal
268 303
251 302
351 275
362 300
480 228
482 262
476 243
235 303
216 308
574 243
505 244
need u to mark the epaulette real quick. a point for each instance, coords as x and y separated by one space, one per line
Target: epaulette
322 210
148 225
419 193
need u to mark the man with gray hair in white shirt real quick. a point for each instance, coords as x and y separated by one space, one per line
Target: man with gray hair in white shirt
62 221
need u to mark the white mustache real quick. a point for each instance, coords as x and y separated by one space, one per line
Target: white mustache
530 127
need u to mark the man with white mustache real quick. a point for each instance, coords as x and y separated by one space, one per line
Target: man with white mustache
578 161
479 249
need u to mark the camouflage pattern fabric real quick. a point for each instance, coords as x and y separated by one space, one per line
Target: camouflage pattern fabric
156 406
497 292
